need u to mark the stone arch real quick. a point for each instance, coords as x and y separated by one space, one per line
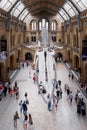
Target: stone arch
58 56
76 62
2 68
12 58
28 56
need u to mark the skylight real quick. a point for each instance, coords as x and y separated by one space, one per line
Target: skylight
7 4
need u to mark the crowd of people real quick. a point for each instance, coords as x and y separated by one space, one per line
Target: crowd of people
27 118
10 90
78 98
52 100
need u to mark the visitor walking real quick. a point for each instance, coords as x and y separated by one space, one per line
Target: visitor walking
25 122
15 118
30 121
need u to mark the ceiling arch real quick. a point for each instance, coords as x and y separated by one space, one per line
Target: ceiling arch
36 6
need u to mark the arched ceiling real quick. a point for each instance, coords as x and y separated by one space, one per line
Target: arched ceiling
43 7
62 9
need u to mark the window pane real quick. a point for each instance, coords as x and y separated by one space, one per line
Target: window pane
2 3
24 13
70 9
17 9
7 4
63 13
27 18
53 26
33 25
43 22
40 25
84 3
81 4
60 18
47 25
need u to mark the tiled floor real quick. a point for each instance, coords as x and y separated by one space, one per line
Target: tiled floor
65 118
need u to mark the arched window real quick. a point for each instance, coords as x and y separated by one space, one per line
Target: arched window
53 26
33 25
40 25
43 23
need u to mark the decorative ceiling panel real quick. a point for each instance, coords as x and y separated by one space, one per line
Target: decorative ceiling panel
37 7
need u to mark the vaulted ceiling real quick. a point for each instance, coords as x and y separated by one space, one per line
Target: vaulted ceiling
44 7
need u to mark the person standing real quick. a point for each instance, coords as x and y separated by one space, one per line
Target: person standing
21 108
25 122
5 91
34 78
30 121
24 106
15 118
71 97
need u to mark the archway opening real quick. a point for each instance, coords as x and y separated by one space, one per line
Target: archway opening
3 48
28 56
58 56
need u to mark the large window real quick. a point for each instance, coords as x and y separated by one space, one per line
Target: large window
71 10
81 4
64 14
54 26
23 14
17 9
33 25
43 23
60 18
7 4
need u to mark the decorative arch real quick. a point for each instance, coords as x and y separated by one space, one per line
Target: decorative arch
28 56
58 56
